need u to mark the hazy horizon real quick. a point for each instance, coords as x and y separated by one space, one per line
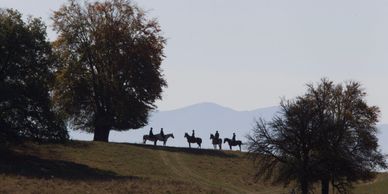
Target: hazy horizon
204 118
249 54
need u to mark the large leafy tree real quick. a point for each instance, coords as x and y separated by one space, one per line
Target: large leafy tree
26 64
110 73
346 144
326 135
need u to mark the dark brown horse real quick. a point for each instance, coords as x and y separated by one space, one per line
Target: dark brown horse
191 140
157 137
149 138
216 142
233 143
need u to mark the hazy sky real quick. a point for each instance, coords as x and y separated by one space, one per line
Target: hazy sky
248 54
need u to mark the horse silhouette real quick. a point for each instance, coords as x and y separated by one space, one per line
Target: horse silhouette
233 143
216 142
149 138
193 140
157 137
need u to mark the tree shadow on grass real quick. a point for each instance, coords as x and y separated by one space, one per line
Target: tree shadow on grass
12 163
196 151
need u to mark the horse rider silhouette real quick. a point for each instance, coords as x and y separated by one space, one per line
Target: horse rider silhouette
162 133
193 134
217 135
234 137
151 133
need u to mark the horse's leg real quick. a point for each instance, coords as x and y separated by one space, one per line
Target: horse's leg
155 142
240 147
164 143
189 145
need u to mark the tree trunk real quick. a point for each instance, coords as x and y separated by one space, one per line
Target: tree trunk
304 187
325 186
101 134
102 124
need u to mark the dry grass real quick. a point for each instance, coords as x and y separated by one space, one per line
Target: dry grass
91 167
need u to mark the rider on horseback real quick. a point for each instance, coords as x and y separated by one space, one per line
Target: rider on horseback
234 137
193 134
151 133
217 135
162 133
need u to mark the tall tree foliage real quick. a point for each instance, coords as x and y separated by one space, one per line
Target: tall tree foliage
347 145
26 65
110 73
327 135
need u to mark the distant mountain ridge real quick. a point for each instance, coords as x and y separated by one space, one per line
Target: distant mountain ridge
204 118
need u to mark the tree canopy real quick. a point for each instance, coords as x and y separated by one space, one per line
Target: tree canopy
26 64
110 56
327 135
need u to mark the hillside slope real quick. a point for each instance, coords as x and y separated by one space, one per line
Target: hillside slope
93 167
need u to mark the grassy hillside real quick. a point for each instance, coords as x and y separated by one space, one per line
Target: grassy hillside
90 167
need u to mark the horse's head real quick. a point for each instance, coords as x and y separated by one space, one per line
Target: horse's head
186 135
225 140
172 135
211 136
